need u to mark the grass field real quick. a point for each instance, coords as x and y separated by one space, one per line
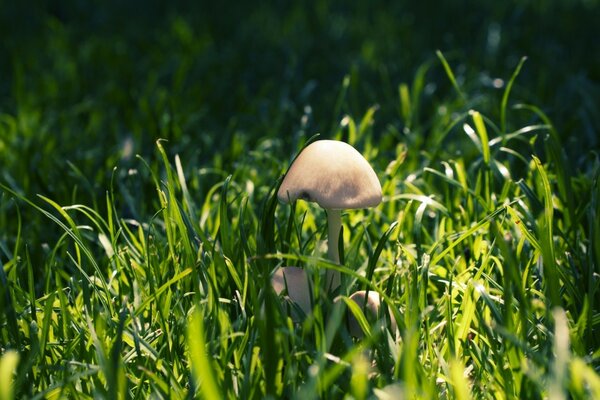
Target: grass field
142 145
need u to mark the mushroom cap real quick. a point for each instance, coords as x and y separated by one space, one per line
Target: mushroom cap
295 280
334 175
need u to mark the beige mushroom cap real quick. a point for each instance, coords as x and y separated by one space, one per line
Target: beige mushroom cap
334 175
295 281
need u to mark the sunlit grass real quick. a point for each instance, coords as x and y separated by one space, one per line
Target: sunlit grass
141 148
483 249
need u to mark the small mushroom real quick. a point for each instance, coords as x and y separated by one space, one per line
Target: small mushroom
371 311
336 176
294 281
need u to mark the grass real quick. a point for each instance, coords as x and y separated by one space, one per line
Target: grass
144 276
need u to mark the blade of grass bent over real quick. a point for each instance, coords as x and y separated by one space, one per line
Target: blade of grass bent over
450 74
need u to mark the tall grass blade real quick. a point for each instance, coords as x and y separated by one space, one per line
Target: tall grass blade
378 249
450 74
506 94
225 229
200 359
547 238
483 136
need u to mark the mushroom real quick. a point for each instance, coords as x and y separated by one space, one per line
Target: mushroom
295 282
371 303
336 176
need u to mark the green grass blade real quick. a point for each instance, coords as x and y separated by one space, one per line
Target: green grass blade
356 311
547 238
483 136
201 360
450 74
378 249
519 222
563 167
467 307
8 367
337 109
405 106
586 381
366 122
225 229
506 94
459 382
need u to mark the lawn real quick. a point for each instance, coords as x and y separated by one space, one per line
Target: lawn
142 145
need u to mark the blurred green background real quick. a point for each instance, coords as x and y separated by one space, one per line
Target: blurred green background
85 85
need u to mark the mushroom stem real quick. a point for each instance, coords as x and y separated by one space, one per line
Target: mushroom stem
334 225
